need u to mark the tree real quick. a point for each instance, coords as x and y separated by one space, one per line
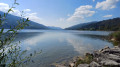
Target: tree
11 54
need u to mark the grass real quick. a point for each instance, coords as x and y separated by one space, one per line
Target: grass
87 59
115 35
115 38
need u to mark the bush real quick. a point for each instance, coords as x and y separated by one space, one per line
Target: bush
115 36
87 59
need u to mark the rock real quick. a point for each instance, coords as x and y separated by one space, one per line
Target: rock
114 51
76 58
106 47
108 62
94 64
101 50
114 57
72 64
97 54
109 57
86 54
83 65
116 47
113 39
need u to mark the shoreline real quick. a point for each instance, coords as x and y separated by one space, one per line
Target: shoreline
106 57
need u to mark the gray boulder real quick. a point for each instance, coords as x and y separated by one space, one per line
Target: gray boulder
83 65
94 64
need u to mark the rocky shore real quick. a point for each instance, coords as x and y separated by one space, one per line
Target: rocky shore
106 57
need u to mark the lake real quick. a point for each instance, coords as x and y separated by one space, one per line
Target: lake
60 45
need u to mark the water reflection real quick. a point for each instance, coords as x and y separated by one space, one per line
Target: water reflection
58 46
88 43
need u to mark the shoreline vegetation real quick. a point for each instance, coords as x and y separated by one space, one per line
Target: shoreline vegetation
106 57
115 38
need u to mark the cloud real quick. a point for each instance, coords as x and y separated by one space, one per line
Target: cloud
4 7
28 14
61 19
80 46
26 10
106 5
93 0
80 13
33 17
107 16
68 15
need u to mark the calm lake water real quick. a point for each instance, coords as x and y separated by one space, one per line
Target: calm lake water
61 45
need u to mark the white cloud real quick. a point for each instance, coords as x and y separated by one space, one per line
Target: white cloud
80 13
79 46
61 19
32 16
93 0
4 7
68 15
26 10
107 16
106 5
16 12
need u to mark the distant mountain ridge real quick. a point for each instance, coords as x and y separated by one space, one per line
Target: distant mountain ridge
75 27
12 21
54 28
108 25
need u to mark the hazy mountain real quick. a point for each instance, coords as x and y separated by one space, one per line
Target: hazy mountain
75 27
54 28
12 21
110 24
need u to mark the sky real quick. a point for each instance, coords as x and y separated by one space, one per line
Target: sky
64 13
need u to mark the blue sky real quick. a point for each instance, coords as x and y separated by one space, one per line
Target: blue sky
64 13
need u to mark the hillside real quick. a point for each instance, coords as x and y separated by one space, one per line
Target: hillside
110 25
12 21
78 26
54 28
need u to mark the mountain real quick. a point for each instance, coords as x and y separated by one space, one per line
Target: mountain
78 26
12 21
108 25
54 28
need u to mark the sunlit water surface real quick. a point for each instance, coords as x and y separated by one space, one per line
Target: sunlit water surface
61 45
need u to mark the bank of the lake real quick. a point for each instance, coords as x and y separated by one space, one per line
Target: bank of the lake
106 57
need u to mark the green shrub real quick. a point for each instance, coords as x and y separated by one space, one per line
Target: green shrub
115 36
87 59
